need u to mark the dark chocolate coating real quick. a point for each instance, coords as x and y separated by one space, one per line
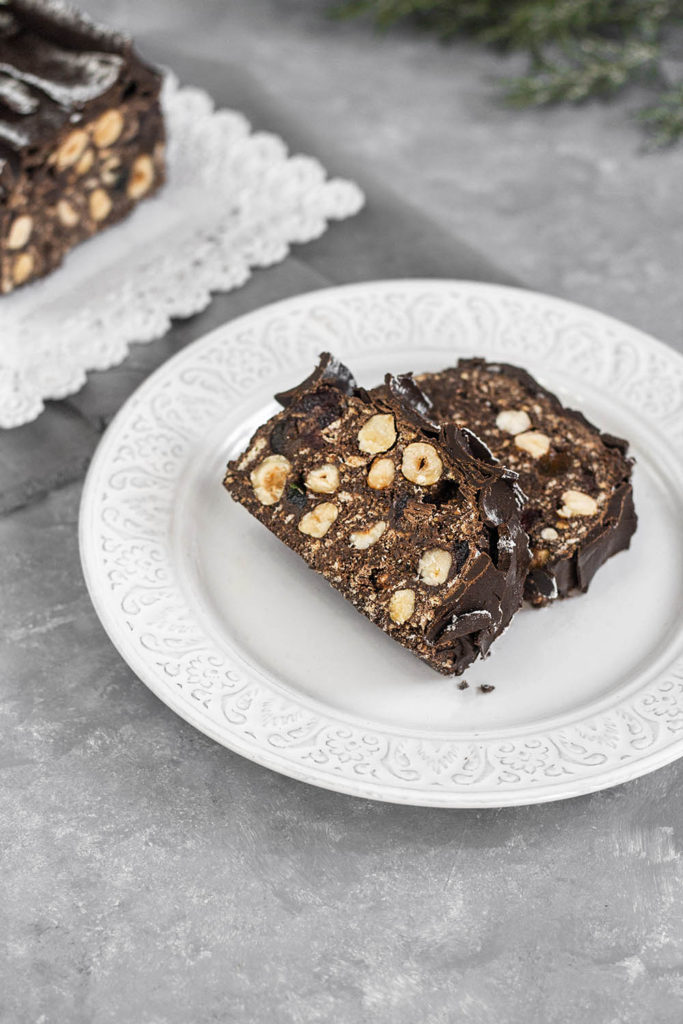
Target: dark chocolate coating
56 66
457 392
81 134
471 512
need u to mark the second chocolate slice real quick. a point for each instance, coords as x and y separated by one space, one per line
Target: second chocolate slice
416 525
577 480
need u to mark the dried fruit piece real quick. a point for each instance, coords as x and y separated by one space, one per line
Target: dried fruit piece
20 232
363 539
401 606
381 474
317 522
576 503
435 566
107 128
421 464
377 434
269 478
100 204
534 443
324 479
71 149
513 421
141 177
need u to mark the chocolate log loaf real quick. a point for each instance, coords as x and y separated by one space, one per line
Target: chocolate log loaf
577 480
417 526
81 134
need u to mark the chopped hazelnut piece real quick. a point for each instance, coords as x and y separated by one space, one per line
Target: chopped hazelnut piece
20 232
381 474
66 214
141 177
100 204
269 478
377 434
23 268
317 522
421 464
576 503
434 567
513 421
107 128
71 149
324 479
85 163
534 443
401 606
363 539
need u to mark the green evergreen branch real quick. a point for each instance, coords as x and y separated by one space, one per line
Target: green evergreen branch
664 120
578 49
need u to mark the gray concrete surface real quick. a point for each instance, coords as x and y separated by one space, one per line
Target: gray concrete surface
150 876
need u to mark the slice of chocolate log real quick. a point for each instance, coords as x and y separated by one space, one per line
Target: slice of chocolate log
81 134
577 480
417 526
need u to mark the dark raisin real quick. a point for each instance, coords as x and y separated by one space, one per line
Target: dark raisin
554 464
487 688
120 180
530 516
399 506
282 435
445 491
320 408
460 552
296 495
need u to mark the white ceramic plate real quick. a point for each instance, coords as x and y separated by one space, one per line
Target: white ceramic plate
232 631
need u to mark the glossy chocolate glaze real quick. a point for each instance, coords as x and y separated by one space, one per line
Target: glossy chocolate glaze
56 67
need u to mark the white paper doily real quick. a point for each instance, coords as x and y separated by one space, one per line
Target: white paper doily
234 200
231 630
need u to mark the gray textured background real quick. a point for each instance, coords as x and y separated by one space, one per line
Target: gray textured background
152 877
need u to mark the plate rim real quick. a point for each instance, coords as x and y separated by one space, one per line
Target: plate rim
364 788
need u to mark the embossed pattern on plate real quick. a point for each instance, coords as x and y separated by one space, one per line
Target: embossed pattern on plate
232 631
